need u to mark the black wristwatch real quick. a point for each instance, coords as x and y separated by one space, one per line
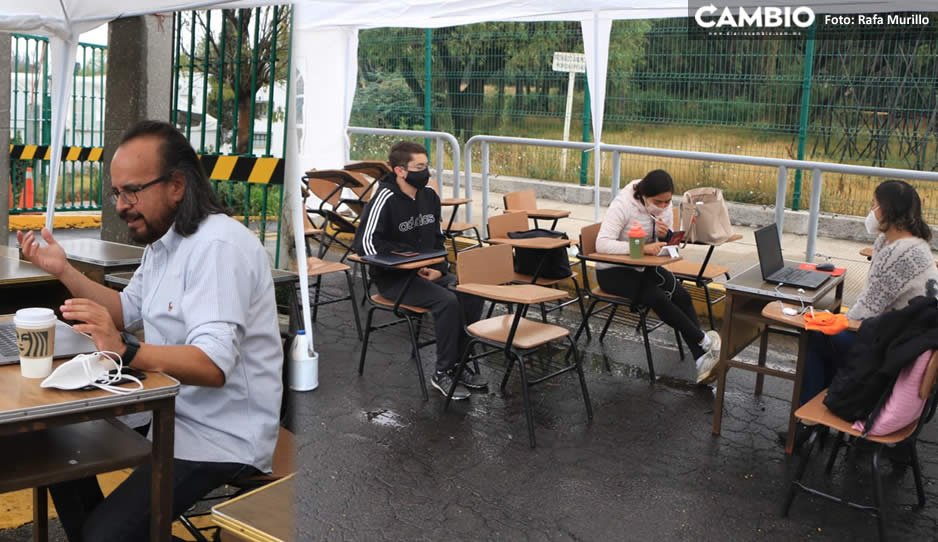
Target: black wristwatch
132 344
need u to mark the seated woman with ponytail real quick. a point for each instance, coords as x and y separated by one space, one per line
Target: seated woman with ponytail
647 202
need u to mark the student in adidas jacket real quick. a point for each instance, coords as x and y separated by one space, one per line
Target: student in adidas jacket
403 215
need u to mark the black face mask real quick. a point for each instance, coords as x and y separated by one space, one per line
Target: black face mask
418 179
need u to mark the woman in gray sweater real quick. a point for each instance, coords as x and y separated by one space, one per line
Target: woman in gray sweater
901 269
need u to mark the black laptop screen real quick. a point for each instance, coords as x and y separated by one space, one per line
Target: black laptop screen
770 251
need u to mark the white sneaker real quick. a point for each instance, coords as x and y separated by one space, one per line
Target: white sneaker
715 343
708 361
705 365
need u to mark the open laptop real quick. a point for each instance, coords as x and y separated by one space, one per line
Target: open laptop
773 266
68 343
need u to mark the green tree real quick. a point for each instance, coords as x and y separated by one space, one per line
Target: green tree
239 60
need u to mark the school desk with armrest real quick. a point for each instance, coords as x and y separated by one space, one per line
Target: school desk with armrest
747 295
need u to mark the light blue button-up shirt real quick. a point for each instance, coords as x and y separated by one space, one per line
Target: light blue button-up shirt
213 290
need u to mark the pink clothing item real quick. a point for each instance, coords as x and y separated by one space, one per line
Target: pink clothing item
904 405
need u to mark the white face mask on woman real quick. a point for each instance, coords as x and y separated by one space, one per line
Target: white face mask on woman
654 210
871 222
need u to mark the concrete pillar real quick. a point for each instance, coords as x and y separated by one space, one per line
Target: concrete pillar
139 83
5 61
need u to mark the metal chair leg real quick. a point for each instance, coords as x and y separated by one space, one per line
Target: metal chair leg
838 442
799 473
585 324
526 399
351 298
917 473
579 372
511 363
612 313
413 341
459 370
543 313
316 298
579 300
361 360
680 344
651 364
878 493
706 289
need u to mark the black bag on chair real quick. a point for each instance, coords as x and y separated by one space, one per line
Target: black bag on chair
556 264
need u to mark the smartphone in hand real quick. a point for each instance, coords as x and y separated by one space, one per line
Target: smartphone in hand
677 237
404 254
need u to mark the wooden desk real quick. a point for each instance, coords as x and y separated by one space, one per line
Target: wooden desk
53 436
625 259
867 253
743 321
539 243
522 294
262 515
96 258
22 284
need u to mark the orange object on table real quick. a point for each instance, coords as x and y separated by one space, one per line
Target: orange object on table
812 267
825 322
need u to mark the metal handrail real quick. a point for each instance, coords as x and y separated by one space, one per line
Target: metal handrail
783 164
449 138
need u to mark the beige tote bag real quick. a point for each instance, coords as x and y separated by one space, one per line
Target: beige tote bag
704 216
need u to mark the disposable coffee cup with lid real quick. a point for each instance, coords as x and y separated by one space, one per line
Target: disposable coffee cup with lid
35 338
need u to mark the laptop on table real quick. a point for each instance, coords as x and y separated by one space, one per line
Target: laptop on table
774 268
68 343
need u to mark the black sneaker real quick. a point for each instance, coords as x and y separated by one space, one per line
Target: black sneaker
444 381
472 379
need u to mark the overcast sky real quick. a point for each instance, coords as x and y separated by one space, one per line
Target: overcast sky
97 36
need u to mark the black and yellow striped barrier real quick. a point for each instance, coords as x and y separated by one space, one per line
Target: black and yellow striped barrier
218 167
243 168
44 152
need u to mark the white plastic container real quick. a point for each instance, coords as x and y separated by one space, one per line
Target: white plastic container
304 365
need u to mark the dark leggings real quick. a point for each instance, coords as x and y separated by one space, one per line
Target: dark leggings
656 287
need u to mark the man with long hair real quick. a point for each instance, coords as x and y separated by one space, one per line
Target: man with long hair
204 297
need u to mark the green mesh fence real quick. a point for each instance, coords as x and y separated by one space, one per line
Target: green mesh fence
79 186
868 102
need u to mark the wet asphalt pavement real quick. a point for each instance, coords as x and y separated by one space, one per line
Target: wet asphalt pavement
379 463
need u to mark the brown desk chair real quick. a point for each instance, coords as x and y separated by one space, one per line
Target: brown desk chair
499 227
815 411
318 268
588 246
513 334
372 168
525 200
327 185
409 314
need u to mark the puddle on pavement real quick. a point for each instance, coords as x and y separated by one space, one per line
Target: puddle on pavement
384 418
598 362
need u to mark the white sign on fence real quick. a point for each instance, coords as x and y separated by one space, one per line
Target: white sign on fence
573 63
570 62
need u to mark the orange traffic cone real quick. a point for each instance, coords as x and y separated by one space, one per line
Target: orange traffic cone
28 190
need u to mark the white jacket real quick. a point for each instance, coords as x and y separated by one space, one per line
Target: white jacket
613 236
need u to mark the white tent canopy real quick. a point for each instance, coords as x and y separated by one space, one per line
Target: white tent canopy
326 37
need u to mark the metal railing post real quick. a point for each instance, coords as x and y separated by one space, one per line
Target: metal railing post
485 185
814 213
780 191
616 173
